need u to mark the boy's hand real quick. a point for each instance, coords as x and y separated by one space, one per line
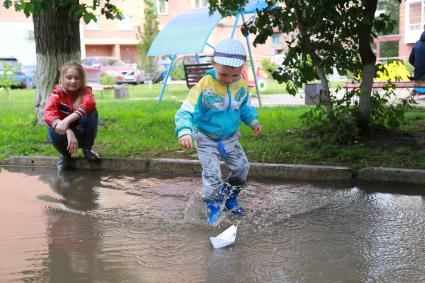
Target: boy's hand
186 141
257 129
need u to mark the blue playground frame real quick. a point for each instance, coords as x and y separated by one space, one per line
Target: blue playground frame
188 34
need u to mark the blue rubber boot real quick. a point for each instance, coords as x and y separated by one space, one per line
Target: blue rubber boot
214 209
231 202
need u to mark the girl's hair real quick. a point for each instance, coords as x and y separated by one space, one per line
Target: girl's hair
77 66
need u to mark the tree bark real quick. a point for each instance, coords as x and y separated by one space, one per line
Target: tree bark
57 38
368 63
326 94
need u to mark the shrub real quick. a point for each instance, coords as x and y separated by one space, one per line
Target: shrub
394 70
106 79
178 71
269 66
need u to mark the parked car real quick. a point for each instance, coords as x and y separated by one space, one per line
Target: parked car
178 69
124 73
31 73
15 73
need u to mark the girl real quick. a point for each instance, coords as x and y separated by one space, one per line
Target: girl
71 115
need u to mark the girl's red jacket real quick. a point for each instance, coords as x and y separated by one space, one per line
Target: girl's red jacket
59 105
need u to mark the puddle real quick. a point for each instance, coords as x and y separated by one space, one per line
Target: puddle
88 226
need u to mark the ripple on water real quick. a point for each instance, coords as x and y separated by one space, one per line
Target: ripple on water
148 229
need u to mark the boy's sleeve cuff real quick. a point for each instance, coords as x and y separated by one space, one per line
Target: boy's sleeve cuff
253 123
184 132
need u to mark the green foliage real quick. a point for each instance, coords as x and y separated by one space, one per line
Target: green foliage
86 11
387 113
269 66
146 37
107 79
7 77
178 71
392 9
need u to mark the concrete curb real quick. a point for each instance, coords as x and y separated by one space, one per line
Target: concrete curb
257 170
410 176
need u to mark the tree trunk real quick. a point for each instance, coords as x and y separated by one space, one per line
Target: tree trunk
368 73
368 63
57 40
326 94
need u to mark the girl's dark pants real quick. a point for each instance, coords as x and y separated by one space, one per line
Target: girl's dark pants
85 132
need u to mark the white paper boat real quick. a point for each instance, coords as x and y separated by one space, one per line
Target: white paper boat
227 237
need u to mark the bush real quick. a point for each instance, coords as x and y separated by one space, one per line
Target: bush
269 66
395 70
178 71
106 79
348 128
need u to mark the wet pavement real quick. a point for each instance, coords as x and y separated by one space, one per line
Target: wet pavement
96 226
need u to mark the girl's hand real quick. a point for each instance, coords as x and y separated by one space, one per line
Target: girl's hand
257 130
186 141
72 142
61 127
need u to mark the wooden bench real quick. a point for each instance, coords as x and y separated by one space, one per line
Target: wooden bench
194 72
119 91
410 85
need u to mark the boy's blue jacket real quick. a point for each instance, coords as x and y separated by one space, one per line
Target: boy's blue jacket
215 109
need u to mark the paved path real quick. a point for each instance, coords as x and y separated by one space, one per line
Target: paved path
269 100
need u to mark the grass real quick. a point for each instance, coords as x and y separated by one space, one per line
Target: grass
141 127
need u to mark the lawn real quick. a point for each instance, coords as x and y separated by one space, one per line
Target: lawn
140 127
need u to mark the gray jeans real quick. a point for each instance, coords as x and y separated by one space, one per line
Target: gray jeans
209 156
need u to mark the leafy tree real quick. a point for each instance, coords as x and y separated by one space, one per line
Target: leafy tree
328 33
57 36
146 37
7 77
392 8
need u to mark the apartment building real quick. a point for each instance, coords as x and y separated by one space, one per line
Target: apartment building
111 37
104 37
16 36
412 21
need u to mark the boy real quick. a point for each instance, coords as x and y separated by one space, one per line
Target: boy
211 114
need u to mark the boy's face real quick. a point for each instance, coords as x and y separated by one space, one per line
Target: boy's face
226 74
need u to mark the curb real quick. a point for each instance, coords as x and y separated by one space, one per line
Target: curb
257 170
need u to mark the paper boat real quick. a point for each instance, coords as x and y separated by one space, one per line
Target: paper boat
227 237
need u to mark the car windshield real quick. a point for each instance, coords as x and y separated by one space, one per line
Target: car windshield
111 62
11 62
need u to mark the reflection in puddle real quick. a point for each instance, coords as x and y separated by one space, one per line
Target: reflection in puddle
94 226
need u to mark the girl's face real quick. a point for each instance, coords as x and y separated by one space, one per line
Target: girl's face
72 80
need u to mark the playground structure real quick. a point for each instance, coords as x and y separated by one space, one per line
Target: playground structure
188 34
261 77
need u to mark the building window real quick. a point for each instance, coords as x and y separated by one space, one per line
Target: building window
126 23
416 15
201 3
93 25
162 7
277 38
